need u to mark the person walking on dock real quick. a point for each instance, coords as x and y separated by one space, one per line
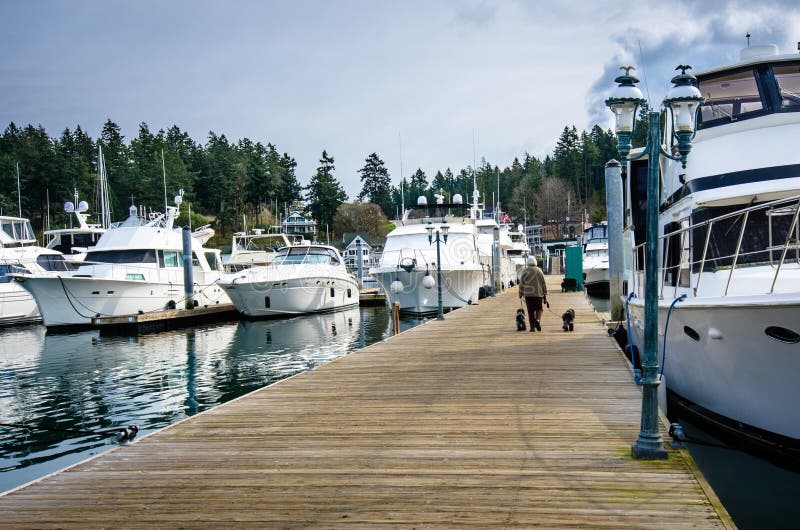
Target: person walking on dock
534 289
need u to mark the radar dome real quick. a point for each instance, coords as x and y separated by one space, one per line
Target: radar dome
458 199
83 206
69 207
422 201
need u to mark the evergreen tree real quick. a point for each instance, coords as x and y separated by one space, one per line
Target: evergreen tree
290 189
418 185
324 193
376 184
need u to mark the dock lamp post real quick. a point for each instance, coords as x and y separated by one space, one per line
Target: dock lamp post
683 102
443 229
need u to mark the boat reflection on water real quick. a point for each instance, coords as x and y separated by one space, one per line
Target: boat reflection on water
86 382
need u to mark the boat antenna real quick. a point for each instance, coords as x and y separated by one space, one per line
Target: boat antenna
402 189
19 193
644 71
164 175
47 222
748 39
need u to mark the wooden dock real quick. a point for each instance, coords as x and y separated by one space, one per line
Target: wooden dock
371 297
461 422
155 321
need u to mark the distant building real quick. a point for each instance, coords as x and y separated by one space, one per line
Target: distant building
297 223
533 236
350 253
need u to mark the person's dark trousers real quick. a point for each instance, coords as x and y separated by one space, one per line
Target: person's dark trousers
533 303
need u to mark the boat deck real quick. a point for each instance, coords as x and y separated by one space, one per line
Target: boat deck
461 422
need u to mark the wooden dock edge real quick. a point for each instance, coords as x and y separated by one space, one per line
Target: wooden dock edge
724 517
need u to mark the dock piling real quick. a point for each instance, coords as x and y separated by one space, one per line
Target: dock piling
188 281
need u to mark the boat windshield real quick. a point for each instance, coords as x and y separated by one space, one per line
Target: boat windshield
7 269
729 96
54 262
306 256
787 77
18 229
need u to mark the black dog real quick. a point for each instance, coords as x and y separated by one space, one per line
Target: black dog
520 319
568 320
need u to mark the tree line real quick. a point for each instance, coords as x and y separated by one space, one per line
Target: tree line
225 180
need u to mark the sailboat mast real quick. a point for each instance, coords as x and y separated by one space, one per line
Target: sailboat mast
19 193
402 188
164 174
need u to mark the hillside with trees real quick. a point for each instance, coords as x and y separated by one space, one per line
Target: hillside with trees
226 180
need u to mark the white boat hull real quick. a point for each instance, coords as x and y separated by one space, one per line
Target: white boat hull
293 296
733 369
460 287
17 306
70 301
596 278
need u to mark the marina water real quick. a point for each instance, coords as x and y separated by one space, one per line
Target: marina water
87 382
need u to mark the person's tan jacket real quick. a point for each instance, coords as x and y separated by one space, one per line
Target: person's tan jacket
531 282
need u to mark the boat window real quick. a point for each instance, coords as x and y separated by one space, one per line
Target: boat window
8 228
597 252
764 237
53 262
729 97
170 258
147 255
18 229
787 78
597 232
214 261
84 240
7 269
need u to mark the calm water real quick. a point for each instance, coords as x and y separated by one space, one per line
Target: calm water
86 382
757 493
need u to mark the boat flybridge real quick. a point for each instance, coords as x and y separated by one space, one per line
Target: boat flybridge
595 258
303 278
135 267
257 247
407 268
519 250
729 253
20 254
74 242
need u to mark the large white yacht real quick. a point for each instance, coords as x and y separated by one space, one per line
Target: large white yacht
135 267
595 258
519 250
306 278
20 254
728 243
407 267
506 266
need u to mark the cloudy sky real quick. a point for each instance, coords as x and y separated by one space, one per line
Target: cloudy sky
354 77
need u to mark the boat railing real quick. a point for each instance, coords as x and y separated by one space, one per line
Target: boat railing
761 239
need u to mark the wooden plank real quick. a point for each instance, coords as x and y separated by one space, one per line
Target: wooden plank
461 422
